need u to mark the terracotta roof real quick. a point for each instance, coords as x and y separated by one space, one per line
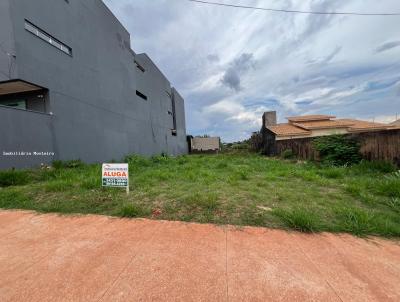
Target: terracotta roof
288 129
326 124
316 117
358 125
396 123
306 127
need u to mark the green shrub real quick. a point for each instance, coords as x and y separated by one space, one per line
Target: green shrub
238 174
131 210
91 183
356 221
287 154
338 150
137 161
333 173
299 218
375 166
206 201
389 186
162 158
69 164
14 178
394 204
58 186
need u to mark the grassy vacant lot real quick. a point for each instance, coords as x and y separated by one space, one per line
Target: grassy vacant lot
245 189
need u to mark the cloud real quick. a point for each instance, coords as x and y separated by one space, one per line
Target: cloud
213 58
236 69
232 64
387 46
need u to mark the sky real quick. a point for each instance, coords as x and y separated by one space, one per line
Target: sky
232 64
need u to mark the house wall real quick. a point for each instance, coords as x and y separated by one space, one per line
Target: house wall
92 95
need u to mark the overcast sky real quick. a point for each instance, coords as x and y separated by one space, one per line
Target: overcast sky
233 64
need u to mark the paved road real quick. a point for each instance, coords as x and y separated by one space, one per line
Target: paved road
96 258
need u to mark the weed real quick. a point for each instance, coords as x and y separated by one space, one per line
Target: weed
131 210
69 164
58 186
356 221
287 154
374 166
162 158
224 188
389 186
394 204
332 172
338 150
299 218
14 178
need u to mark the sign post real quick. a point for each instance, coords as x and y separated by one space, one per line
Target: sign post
115 175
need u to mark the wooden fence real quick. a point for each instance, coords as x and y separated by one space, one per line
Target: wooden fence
376 145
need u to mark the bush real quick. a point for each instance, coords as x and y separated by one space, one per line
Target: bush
356 221
338 150
68 164
332 172
14 178
208 201
299 219
375 166
287 154
389 186
137 161
162 158
131 210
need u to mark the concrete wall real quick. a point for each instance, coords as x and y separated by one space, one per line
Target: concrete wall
181 140
38 133
205 143
92 94
7 46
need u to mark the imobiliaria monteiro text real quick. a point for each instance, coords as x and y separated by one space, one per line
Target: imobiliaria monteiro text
28 153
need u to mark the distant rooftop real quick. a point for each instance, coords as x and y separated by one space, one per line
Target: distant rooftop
304 125
315 117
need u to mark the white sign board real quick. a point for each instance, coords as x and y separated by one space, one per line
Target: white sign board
115 175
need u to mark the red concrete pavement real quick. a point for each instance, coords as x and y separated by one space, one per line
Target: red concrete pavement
97 258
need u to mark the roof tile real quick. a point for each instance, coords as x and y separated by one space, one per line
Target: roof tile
315 117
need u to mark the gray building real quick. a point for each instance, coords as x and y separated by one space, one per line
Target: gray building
71 87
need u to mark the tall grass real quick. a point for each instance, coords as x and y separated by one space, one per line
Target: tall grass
226 189
300 219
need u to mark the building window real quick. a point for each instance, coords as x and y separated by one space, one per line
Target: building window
140 67
32 101
139 94
48 38
20 104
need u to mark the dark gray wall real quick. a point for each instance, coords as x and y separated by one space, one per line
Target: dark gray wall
38 134
7 50
92 95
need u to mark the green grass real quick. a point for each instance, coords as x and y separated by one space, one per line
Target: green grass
238 188
299 218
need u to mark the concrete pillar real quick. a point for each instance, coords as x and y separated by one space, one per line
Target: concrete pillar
269 118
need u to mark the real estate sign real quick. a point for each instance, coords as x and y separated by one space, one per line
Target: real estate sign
115 175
